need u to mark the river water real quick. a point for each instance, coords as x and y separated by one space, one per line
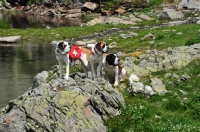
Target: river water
19 63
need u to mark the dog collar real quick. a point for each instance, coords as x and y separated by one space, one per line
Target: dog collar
60 53
96 51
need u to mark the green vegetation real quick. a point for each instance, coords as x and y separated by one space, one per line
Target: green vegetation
4 23
2 1
45 35
164 37
178 110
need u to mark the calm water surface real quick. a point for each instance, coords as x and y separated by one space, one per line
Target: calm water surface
19 63
18 66
18 20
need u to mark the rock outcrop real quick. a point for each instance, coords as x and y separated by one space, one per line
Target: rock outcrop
77 105
189 4
154 60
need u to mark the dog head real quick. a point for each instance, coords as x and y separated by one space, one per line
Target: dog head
64 47
101 46
112 59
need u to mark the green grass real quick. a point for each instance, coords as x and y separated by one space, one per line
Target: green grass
4 23
165 37
173 111
46 35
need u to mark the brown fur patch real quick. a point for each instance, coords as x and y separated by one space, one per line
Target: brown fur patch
63 45
119 69
102 44
104 55
87 52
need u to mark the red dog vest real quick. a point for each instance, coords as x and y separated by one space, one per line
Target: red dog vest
75 52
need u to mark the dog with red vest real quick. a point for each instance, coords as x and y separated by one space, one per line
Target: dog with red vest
91 59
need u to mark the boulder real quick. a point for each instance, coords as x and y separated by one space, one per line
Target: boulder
120 11
10 39
106 12
145 17
94 21
89 6
170 14
189 4
158 86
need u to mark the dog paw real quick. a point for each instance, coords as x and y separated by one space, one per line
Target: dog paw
115 84
66 78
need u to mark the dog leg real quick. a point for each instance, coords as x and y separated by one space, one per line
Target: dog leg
116 76
67 72
67 68
95 68
99 69
61 69
92 69
84 69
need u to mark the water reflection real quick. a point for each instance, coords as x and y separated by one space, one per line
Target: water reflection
19 64
23 21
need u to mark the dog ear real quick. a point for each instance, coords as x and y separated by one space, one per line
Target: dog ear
61 45
98 46
109 59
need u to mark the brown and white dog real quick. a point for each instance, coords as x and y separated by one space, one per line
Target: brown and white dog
88 57
113 70
91 59
62 55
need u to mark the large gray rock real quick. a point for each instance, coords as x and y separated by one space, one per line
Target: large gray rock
170 14
77 105
189 4
166 59
10 39
158 86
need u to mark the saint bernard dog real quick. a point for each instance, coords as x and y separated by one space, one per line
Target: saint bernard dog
91 58
113 70
61 52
